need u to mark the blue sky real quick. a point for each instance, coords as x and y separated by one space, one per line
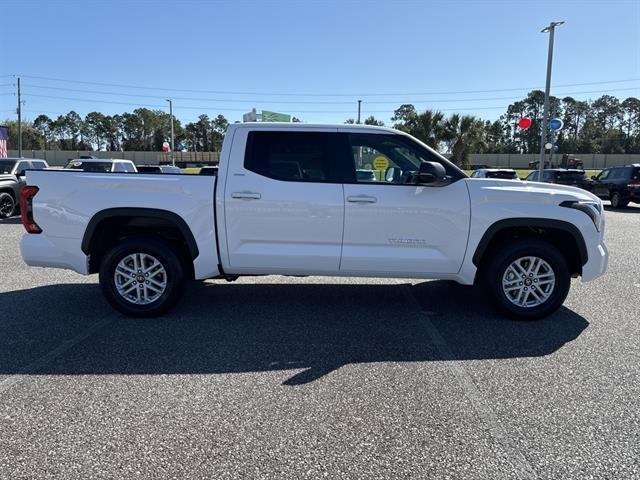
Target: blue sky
322 55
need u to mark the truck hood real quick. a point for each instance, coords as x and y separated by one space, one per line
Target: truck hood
537 192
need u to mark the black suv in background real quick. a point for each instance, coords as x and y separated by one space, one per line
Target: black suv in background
620 185
563 176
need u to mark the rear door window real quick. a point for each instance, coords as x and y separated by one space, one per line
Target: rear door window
289 156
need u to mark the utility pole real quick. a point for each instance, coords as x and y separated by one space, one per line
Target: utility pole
19 111
545 112
173 160
359 103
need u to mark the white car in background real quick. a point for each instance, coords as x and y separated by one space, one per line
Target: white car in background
505 173
102 165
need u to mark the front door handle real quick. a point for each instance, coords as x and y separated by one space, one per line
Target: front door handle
361 199
246 195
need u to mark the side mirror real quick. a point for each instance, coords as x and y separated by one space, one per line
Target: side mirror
432 174
393 175
21 173
594 177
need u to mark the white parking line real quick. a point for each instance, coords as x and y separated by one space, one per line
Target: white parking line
522 467
47 359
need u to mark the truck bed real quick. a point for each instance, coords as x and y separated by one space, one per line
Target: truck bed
68 200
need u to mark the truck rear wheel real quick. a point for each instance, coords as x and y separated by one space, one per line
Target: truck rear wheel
528 279
617 202
7 205
142 277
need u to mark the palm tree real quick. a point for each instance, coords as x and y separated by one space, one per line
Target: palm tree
431 128
464 134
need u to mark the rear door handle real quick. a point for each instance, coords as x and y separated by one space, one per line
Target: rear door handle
246 195
361 199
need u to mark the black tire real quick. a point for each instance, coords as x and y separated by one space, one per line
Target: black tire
7 205
174 276
617 201
503 257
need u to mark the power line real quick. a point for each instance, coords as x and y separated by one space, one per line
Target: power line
317 102
230 109
119 85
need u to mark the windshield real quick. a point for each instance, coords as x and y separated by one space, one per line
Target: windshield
6 166
89 166
502 174
571 175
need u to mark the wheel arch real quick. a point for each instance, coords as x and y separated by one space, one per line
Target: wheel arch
104 226
10 191
562 234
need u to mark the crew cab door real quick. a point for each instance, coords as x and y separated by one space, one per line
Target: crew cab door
600 184
283 214
391 223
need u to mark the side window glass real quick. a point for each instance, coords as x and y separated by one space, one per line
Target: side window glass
118 167
288 156
127 167
380 158
38 165
604 175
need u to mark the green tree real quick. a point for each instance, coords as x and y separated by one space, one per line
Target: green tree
464 134
371 120
95 128
42 125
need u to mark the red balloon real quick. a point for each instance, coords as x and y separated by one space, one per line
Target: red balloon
524 123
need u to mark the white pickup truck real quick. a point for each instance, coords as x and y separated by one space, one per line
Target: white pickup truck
287 201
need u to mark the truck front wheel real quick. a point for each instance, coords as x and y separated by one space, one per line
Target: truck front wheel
7 205
142 277
528 279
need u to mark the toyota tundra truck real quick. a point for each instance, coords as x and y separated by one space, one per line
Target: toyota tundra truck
287 200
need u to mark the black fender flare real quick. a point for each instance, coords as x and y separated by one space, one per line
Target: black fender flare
156 213
533 223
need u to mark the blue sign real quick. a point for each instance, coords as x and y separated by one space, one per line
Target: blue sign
555 124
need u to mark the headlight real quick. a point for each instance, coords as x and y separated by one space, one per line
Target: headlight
592 209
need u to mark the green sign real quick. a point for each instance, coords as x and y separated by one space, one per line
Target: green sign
275 117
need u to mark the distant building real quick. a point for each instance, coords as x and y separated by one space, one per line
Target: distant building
265 116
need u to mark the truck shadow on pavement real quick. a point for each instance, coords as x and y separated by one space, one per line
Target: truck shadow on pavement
627 209
235 328
11 221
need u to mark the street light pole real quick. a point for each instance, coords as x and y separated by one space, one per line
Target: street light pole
19 111
173 160
359 103
545 112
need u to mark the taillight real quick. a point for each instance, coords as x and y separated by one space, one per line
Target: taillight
26 208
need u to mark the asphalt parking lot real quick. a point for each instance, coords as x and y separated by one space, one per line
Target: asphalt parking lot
319 377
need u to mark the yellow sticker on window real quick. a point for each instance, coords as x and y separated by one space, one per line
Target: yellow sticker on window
381 163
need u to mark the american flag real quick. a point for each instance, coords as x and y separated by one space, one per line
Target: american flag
4 136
